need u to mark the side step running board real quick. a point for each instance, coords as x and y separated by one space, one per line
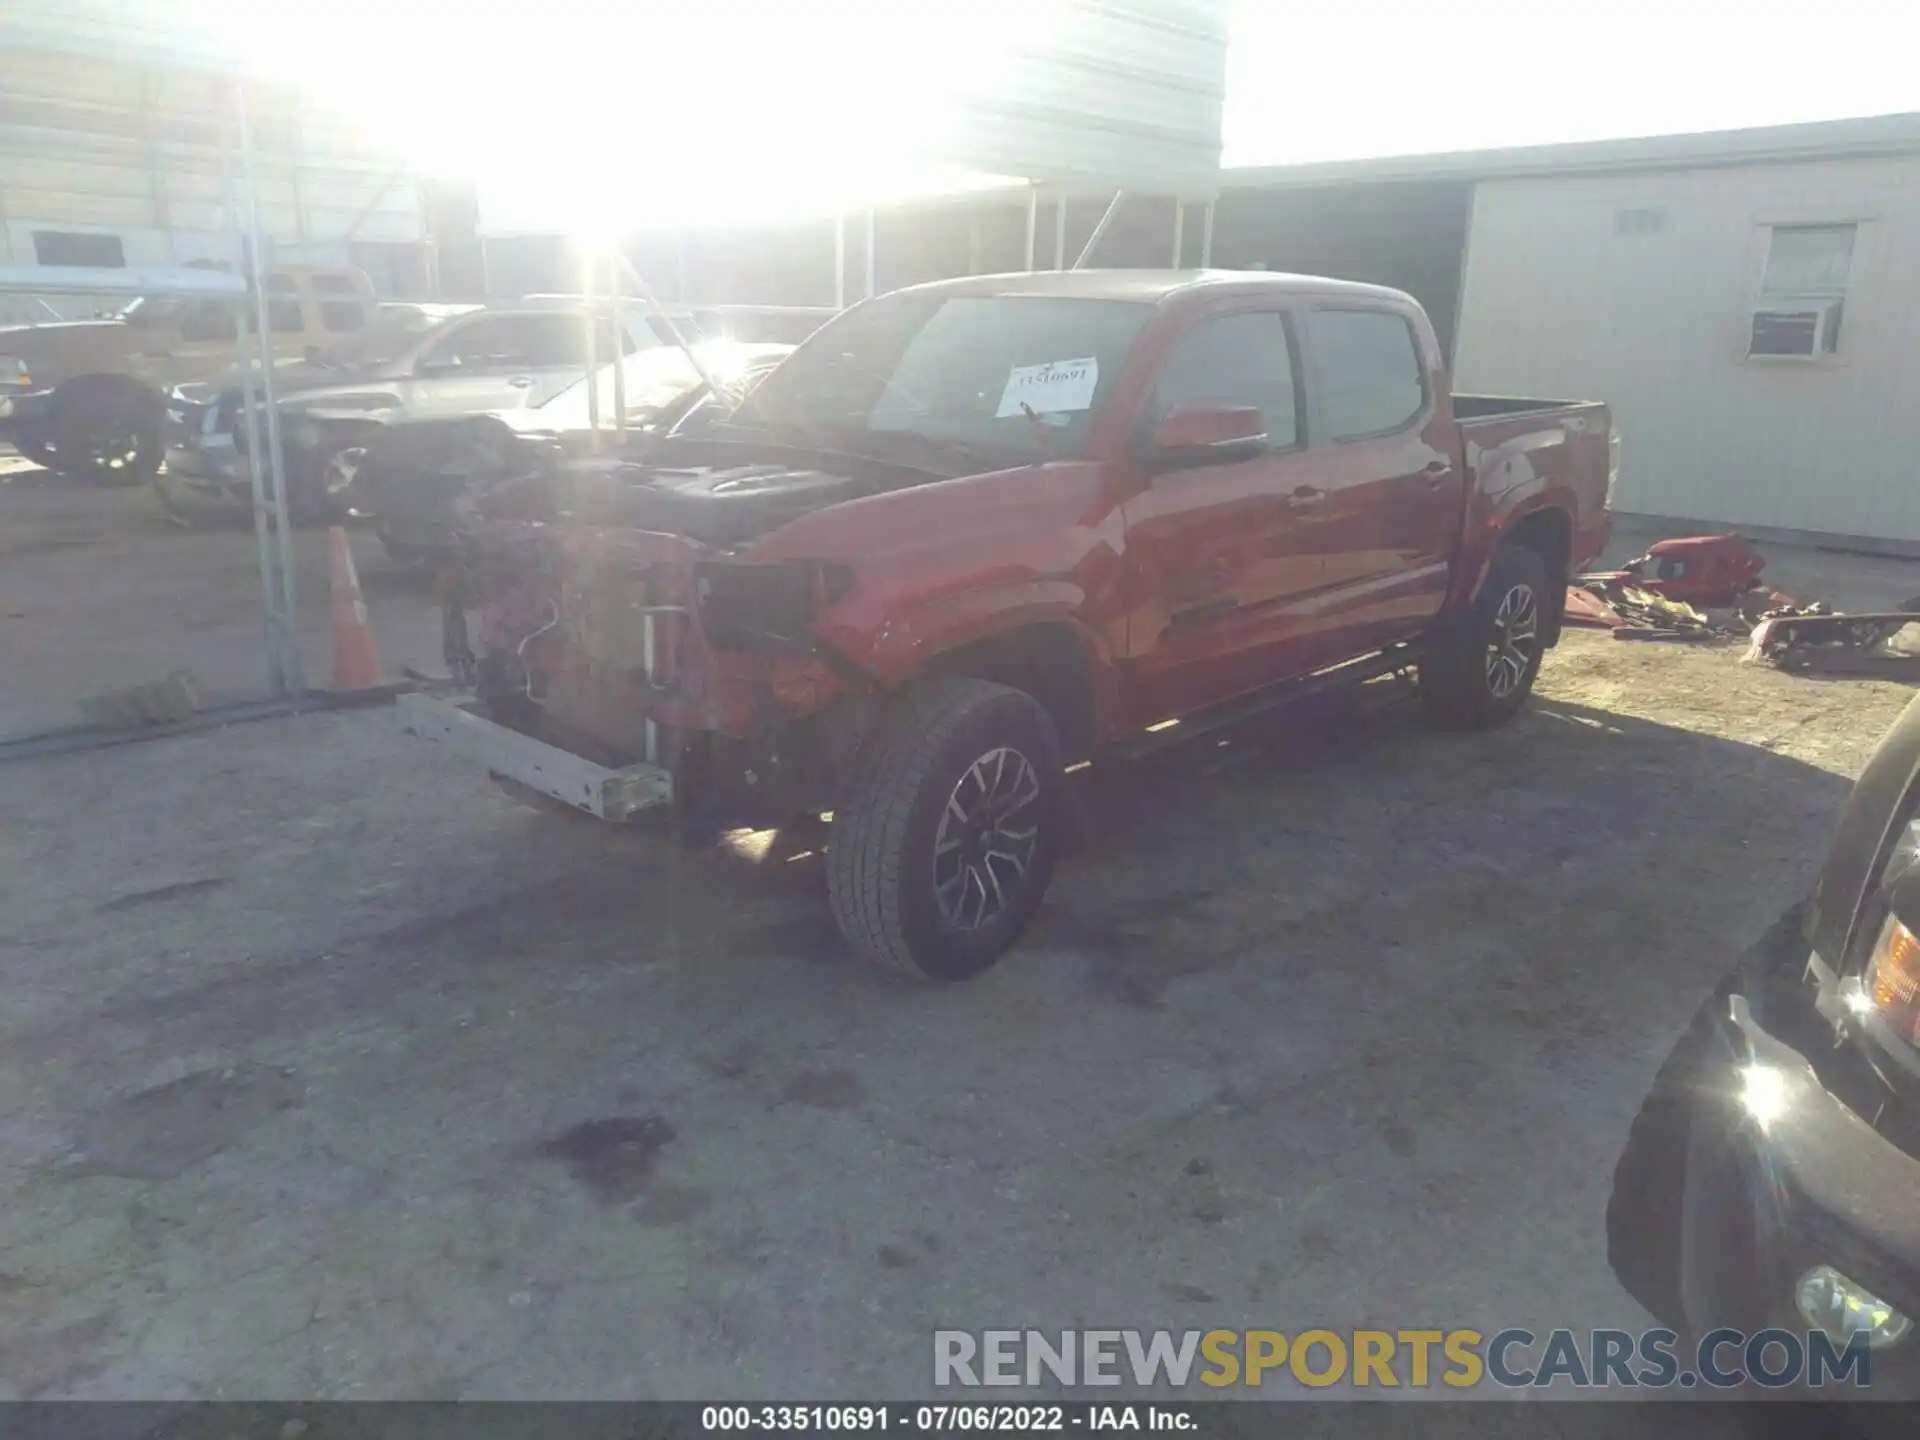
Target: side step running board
1261 702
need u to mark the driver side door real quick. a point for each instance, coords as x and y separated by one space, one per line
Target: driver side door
1223 558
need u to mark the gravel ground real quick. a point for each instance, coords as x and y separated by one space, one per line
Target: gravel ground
328 1071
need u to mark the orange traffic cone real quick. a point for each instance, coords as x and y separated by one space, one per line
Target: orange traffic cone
356 664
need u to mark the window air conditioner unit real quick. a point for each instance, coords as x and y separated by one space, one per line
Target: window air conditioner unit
1794 330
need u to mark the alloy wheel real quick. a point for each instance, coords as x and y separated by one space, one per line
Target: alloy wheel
1516 641
984 849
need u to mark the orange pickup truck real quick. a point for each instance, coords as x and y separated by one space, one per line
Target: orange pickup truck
974 531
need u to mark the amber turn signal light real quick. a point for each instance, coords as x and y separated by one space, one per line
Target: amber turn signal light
1893 975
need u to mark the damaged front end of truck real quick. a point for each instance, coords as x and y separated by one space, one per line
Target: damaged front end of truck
616 667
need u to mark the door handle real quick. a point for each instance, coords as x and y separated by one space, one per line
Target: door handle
1306 495
520 382
1436 471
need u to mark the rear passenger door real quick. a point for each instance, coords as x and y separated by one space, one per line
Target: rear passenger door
1220 557
1394 492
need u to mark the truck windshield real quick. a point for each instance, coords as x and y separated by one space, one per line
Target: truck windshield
1013 377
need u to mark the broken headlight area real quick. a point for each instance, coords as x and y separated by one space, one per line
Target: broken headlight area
749 607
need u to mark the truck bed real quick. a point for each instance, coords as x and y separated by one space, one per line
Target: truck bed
1468 408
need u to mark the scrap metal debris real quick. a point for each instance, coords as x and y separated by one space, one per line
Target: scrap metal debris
1818 638
1708 587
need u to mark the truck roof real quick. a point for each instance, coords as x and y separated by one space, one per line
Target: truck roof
1153 286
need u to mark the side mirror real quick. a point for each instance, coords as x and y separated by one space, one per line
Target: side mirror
1208 434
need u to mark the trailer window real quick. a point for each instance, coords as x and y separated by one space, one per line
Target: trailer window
1368 367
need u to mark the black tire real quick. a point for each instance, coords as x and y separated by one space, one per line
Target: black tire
33 446
107 434
1479 673
932 750
321 489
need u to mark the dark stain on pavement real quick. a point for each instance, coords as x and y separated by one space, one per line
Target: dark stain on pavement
164 1131
55 1359
612 1158
825 1090
1190 1294
163 892
1398 1138
665 1204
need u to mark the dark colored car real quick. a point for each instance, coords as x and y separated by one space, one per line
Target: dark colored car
412 476
1772 1177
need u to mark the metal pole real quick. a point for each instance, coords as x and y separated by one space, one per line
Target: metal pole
256 479
1179 232
1113 209
1060 233
869 291
276 463
619 350
1206 236
587 318
655 309
839 259
1033 220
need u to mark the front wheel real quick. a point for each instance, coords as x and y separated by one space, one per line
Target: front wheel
942 852
323 492
109 438
1481 671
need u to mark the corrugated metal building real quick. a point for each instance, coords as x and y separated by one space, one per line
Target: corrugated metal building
110 160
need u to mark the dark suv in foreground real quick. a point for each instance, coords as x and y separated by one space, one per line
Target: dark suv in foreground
1772 1178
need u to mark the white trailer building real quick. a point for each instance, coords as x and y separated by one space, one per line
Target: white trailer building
1748 302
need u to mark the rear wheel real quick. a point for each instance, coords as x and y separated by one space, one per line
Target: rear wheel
942 852
109 436
1480 672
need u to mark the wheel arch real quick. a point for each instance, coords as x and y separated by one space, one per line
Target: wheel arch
1546 530
1053 660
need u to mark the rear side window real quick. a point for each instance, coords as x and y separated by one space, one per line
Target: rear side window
323 283
1369 372
205 320
284 317
1235 360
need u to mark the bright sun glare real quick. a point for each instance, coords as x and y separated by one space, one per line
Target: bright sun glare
607 115
599 116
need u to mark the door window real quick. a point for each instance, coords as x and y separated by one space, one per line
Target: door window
1236 360
207 320
1369 372
512 342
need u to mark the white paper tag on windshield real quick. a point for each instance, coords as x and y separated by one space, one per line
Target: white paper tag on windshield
1048 389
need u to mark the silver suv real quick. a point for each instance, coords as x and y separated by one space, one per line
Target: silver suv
417 366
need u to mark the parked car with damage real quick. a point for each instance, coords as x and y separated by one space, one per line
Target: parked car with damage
972 532
414 478
89 397
1772 1176
480 359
